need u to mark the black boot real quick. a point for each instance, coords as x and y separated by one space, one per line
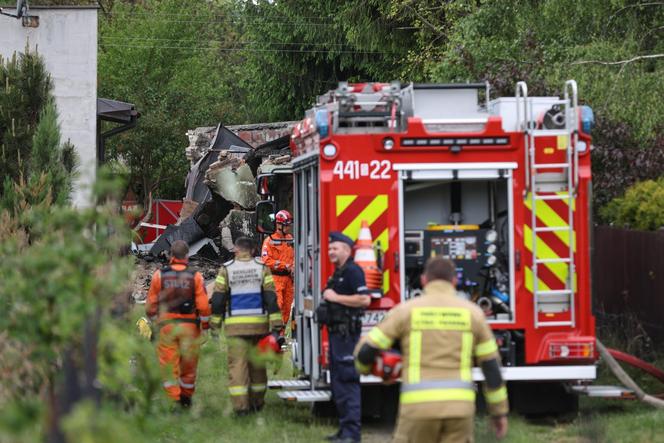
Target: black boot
185 401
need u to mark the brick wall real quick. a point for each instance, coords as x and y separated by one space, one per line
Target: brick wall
262 133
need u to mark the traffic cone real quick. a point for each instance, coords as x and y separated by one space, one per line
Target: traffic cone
365 257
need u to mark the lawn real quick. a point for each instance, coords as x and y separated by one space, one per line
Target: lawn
211 419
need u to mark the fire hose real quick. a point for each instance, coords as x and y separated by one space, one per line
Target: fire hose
619 372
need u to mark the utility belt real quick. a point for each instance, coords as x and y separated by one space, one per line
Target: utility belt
282 273
339 319
168 321
187 307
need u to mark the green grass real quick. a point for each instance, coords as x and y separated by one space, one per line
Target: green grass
211 418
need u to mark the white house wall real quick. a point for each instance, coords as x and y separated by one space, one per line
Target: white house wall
67 39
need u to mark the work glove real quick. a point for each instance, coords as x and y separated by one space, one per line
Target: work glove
144 328
281 340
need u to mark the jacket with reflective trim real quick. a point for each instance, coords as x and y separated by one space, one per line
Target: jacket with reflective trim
158 309
277 253
249 302
440 335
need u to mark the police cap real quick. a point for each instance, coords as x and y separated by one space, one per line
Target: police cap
343 238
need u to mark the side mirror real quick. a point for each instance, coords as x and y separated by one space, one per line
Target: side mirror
266 184
265 223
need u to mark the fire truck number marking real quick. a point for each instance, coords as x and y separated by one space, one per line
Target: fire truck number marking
354 170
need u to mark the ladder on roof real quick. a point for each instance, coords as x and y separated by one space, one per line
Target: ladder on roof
546 182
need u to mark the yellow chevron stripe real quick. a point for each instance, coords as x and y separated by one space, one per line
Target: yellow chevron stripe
551 218
343 201
383 238
370 214
530 284
544 251
386 281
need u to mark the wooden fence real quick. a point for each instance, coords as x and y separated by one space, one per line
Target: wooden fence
628 276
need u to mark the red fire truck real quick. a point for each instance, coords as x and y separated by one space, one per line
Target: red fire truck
500 185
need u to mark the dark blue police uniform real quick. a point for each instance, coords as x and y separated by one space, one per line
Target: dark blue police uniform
348 280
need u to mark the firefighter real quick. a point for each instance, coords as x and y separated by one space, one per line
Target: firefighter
347 296
177 301
245 301
439 334
277 254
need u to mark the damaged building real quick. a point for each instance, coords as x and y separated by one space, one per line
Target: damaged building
220 199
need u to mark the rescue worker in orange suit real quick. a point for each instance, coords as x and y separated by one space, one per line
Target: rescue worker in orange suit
245 302
177 301
277 254
440 334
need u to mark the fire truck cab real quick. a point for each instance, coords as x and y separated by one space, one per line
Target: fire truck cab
500 185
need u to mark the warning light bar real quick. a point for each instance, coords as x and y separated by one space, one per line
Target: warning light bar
466 141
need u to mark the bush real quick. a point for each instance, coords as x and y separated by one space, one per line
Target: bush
642 207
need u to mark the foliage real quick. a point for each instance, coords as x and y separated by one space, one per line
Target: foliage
175 61
25 89
60 268
44 168
642 207
301 49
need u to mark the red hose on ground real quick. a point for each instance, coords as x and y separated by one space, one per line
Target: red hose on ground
638 363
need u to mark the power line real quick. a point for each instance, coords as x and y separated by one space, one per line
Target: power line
266 20
227 49
149 39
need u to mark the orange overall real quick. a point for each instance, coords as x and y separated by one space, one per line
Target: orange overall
278 255
178 302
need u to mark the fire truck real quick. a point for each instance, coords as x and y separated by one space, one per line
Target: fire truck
500 185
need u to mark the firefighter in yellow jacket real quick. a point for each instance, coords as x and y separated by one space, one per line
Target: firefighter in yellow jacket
244 300
440 335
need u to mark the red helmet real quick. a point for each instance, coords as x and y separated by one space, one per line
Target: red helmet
284 217
387 366
268 345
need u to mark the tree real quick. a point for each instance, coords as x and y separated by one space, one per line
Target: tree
25 88
176 62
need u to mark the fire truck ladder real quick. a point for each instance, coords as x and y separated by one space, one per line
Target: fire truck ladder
541 185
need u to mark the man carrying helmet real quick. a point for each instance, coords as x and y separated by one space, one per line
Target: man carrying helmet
244 300
277 255
177 301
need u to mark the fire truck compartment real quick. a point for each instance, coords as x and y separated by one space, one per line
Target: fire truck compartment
465 215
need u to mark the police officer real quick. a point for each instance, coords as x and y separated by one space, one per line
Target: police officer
245 301
347 296
440 334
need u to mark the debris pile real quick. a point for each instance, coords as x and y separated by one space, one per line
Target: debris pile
220 199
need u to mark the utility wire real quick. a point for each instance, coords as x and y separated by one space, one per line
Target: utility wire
220 41
239 49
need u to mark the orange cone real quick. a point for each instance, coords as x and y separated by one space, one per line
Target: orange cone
365 257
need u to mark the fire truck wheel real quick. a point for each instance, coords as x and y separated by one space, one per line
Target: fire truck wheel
324 409
542 399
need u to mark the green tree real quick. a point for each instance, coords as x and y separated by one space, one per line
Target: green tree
25 88
176 62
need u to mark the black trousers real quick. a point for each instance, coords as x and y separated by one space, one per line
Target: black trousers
346 384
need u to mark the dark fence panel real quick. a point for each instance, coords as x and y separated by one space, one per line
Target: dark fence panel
628 276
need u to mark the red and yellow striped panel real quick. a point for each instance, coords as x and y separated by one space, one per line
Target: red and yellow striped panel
550 245
352 209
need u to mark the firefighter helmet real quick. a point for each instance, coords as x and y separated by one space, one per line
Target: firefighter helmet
284 217
269 344
388 366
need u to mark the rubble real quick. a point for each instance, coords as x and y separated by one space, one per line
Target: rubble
221 197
